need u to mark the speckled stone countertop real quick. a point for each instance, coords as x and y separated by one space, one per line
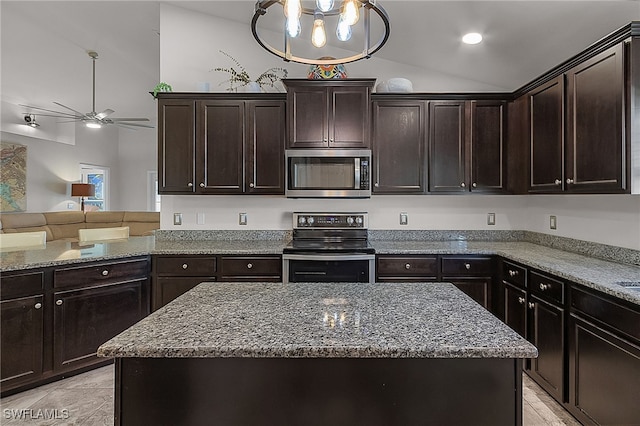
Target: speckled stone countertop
391 320
591 272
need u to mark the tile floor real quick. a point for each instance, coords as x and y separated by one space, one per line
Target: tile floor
88 398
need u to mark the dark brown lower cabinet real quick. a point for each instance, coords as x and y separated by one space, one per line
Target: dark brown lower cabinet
515 309
471 274
21 322
478 289
85 319
167 289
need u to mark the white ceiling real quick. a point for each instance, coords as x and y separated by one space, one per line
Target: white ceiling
44 43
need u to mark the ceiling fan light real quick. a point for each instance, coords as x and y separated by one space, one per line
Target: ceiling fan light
93 124
472 38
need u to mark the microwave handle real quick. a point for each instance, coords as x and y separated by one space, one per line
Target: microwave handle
356 183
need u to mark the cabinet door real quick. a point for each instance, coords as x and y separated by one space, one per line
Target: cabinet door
595 136
546 127
176 146
220 156
479 289
547 334
265 139
307 113
604 372
398 147
166 289
446 147
349 117
486 146
21 326
85 319
515 309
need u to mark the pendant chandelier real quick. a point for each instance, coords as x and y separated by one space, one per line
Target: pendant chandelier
343 14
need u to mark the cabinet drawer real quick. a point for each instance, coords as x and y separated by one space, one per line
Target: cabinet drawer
250 266
546 287
514 274
466 266
100 273
425 267
21 284
607 311
185 266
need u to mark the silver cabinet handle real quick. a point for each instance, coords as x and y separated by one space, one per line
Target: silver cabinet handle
38 305
462 184
189 184
251 185
512 273
467 265
521 300
105 273
201 184
249 265
532 305
59 302
407 266
544 287
569 181
558 182
185 266
376 185
474 184
331 140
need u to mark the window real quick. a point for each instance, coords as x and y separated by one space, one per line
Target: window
153 198
98 176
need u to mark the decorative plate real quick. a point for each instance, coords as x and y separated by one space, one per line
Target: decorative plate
327 72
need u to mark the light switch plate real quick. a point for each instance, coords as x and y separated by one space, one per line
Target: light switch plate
404 218
553 222
200 218
491 219
242 218
177 218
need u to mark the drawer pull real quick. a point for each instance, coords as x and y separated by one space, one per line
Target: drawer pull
407 266
475 185
569 181
513 273
532 305
59 302
38 305
467 265
462 184
544 287
558 182
520 300
185 266
189 184
201 184
105 273
249 265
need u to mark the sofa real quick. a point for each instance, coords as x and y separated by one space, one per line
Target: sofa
65 225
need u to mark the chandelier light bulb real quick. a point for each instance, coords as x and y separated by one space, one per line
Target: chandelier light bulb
343 30
293 27
318 35
351 12
324 5
292 8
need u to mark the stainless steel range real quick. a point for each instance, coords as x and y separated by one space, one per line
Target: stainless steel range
329 247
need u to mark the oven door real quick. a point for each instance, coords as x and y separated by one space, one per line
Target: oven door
319 267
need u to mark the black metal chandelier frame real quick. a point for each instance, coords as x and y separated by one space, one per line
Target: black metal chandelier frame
286 54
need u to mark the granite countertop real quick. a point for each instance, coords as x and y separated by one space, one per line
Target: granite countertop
595 273
390 320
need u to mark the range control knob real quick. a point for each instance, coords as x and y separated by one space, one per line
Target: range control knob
310 220
350 220
302 220
359 220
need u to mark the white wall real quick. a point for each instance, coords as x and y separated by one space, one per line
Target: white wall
137 154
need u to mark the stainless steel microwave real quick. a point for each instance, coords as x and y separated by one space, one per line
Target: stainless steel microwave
316 173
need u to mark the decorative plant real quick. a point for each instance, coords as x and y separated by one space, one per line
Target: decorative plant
240 76
161 87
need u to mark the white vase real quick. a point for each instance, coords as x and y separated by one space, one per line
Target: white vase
252 87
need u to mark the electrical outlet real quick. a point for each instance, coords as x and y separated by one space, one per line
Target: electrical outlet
70 206
553 222
491 219
177 218
404 218
242 218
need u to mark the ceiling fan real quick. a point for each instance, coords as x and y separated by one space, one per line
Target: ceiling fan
92 119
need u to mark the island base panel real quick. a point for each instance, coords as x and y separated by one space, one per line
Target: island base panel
318 391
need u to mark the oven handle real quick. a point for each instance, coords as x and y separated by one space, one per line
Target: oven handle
328 257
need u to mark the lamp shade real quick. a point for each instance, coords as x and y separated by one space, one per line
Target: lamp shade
83 190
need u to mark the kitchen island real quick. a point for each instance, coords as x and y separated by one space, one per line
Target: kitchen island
310 353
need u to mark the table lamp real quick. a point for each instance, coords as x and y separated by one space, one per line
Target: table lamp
82 190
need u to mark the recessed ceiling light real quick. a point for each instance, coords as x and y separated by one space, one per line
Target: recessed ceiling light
472 38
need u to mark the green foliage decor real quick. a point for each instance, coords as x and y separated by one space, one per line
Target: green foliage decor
240 77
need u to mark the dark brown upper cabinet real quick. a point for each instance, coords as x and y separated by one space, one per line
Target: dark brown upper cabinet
467 146
399 144
328 114
221 145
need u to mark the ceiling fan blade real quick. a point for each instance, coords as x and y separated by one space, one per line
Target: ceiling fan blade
104 113
49 110
121 124
70 109
71 117
129 119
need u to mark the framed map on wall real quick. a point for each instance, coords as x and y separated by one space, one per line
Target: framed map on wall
13 177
